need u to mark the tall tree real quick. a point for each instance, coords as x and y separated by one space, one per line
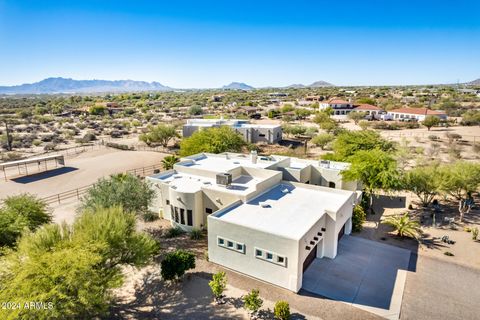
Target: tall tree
424 182
431 121
376 169
126 190
348 143
161 134
213 140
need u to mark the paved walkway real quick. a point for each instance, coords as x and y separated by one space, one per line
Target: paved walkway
367 274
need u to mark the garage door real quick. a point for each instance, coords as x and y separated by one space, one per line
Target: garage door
309 259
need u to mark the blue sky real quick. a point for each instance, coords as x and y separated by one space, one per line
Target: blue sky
202 44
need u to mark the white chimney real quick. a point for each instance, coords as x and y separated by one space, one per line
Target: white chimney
253 156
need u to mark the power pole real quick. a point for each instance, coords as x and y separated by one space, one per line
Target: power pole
9 138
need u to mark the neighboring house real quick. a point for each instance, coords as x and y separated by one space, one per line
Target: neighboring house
372 111
267 217
418 114
341 108
253 133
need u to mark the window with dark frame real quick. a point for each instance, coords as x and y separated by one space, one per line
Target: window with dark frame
280 259
269 256
182 216
208 210
258 253
168 202
230 244
189 218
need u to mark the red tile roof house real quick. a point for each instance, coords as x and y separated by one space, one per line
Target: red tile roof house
371 110
416 113
342 108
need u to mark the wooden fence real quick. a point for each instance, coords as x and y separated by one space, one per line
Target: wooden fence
79 192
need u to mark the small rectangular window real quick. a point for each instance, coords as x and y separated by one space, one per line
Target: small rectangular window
168 202
230 244
261 135
280 259
221 241
239 247
189 218
269 256
208 210
258 253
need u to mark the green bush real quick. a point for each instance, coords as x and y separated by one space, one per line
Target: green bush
196 234
173 232
73 267
474 233
218 284
282 310
213 140
19 213
358 218
125 190
119 146
176 264
252 301
150 216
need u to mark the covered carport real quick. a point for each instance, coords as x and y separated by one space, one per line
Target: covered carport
42 164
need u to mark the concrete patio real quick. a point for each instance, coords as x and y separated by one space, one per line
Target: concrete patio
366 274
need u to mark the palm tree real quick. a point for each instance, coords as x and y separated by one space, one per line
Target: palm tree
169 161
404 226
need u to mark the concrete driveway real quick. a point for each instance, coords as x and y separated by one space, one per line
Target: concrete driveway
367 274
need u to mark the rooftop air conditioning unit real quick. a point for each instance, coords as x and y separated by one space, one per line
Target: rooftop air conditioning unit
224 179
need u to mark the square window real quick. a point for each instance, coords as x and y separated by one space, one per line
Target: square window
280 259
269 256
168 202
230 244
239 247
258 253
221 241
208 210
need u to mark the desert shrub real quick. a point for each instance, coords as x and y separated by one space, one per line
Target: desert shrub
119 146
282 310
218 284
19 213
173 232
448 253
475 233
176 264
358 218
433 137
150 216
252 301
125 190
196 234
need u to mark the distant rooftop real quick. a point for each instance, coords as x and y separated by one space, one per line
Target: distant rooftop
286 210
227 122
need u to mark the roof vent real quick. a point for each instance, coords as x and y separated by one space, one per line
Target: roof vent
263 204
285 190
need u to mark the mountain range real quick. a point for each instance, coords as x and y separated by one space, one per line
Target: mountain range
63 85
473 83
238 86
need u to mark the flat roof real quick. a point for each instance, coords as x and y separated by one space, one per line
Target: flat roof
32 160
226 162
190 183
291 212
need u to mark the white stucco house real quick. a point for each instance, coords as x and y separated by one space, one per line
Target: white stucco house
419 114
267 217
251 132
341 108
